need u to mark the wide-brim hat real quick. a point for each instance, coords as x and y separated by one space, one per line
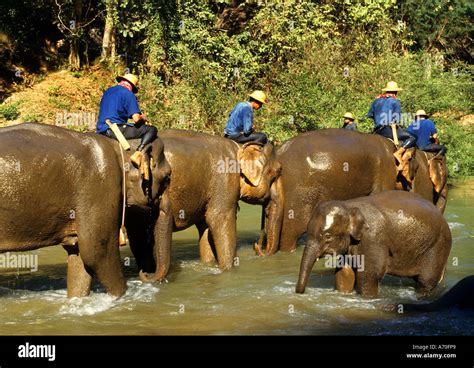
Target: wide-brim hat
130 78
348 115
392 87
259 96
421 113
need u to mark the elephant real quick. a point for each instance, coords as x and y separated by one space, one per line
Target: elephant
61 187
322 165
393 232
209 176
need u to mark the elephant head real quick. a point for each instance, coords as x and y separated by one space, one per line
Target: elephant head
145 188
258 171
438 172
332 229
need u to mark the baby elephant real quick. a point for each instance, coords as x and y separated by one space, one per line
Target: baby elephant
393 232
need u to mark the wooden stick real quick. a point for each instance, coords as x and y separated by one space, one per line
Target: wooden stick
118 134
394 133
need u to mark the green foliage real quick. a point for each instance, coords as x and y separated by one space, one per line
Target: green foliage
460 144
9 111
32 118
53 91
443 25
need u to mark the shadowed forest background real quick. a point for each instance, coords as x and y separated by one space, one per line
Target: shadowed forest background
196 59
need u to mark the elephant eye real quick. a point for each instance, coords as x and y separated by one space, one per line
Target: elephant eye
327 236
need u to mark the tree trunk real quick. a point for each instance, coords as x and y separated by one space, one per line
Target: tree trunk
74 58
75 41
108 41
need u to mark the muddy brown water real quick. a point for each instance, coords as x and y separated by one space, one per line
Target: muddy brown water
257 297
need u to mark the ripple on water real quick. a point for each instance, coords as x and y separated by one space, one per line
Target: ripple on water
200 267
455 225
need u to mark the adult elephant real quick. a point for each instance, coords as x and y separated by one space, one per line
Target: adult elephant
210 175
61 187
322 165
337 164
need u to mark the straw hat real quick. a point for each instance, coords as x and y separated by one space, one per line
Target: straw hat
421 113
130 78
259 96
391 87
348 115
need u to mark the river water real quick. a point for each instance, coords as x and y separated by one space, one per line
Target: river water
257 297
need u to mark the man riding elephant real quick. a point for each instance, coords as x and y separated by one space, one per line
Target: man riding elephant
424 130
119 104
432 163
386 112
240 127
349 122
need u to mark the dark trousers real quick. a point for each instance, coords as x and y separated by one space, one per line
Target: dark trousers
147 133
406 139
252 137
436 148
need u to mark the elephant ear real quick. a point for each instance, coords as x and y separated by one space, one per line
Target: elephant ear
252 160
356 223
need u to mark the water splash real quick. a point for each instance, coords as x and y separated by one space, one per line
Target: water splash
101 302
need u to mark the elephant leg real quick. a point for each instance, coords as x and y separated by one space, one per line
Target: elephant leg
222 228
290 233
345 279
101 255
433 267
426 283
79 280
367 283
207 249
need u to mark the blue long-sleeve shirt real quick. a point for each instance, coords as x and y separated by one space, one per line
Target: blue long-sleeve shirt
118 104
240 120
422 130
384 111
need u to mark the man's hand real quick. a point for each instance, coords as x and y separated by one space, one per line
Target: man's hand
139 118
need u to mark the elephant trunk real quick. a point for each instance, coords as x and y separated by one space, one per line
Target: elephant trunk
162 232
310 255
275 217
